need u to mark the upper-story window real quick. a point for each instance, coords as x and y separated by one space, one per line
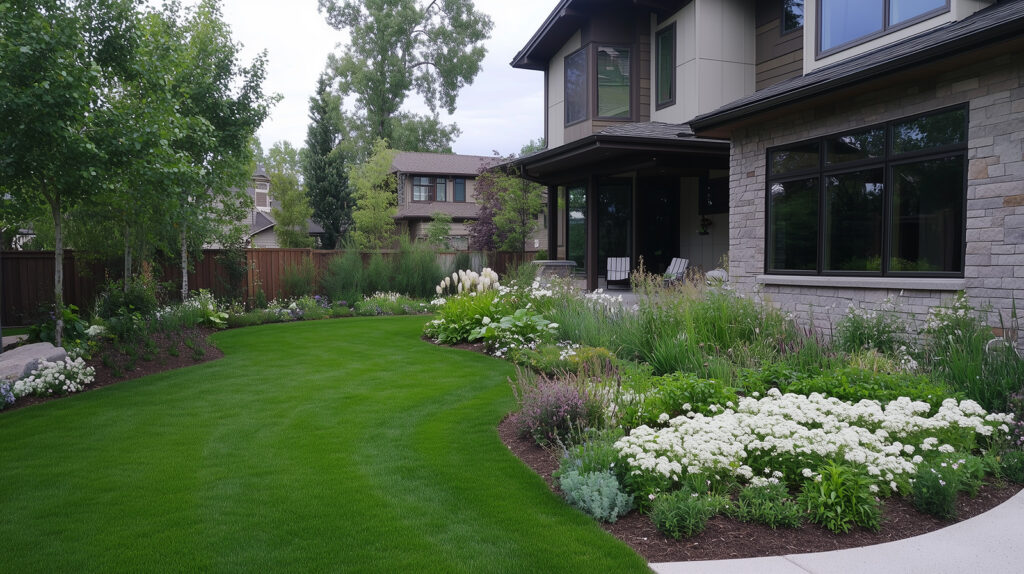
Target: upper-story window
613 89
576 87
422 188
843 23
792 15
665 68
441 186
459 189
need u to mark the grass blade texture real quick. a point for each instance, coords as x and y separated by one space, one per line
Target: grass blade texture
346 445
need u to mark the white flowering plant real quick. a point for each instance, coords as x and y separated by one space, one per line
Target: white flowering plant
523 328
55 378
882 328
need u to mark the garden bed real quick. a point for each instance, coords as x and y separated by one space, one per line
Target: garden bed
726 538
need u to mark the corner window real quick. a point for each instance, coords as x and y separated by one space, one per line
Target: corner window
884 200
422 188
459 190
792 15
613 90
576 87
665 70
843 23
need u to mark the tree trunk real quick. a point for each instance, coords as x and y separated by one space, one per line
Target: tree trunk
127 257
58 269
184 264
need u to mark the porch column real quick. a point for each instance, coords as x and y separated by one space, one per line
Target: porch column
591 249
552 222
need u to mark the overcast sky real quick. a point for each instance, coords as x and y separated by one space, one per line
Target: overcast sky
502 110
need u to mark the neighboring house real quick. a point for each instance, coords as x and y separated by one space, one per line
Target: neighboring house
871 148
260 220
429 183
882 155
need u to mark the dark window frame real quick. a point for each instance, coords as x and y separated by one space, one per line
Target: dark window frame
671 101
887 162
431 187
586 86
887 28
455 187
783 31
441 180
597 88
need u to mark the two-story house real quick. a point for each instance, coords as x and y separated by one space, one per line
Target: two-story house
430 183
260 219
872 147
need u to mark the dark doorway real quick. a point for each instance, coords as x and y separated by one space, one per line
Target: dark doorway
657 221
614 220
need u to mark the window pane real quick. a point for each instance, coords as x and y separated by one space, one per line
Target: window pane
853 147
442 188
792 15
793 225
459 190
928 215
901 10
576 87
929 131
843 21
577 226
794 159
666 52
421 188
853 221
613 82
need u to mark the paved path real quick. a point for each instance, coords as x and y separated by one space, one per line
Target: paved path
989 543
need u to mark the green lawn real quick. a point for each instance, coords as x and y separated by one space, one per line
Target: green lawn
346 445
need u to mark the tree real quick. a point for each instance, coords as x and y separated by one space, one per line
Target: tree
509 206
439 229
291 218
323 164
397 46
59 67
374 187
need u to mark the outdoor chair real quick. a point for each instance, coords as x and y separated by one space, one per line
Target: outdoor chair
618 272
676 270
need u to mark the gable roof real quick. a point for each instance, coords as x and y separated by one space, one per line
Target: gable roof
442 163
1001 21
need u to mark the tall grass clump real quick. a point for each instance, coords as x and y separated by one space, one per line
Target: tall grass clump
299 279
881 328
343 279
462 261
415 270
377 275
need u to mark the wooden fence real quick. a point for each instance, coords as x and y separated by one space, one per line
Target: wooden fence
26 277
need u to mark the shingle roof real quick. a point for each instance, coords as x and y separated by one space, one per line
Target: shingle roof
260 172
651 130
442 163
999 21
427 209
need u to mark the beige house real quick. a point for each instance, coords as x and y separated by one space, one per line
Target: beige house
260 219
430 183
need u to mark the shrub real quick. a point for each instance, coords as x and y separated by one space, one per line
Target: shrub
680 393
342 281
462 260
60 377
852 384
552 409
138 297
934 490
595 453
524 328
684 514
416 271
299 279
596 493
882 329
6 395
841 498
769 504
74 328
1012 466
459 316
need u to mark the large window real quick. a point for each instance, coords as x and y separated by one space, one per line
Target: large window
665 70
613 90
576 87
792 15
846 22
883 200
459 189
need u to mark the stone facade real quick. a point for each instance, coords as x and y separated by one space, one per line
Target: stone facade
994 264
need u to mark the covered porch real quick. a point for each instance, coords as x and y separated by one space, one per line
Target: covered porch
644 191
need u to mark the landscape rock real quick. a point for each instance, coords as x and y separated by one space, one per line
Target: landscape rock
20 362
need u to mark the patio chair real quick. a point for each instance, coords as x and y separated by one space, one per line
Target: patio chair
676 269
618 272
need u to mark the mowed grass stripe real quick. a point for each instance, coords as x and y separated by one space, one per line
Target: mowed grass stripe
346 445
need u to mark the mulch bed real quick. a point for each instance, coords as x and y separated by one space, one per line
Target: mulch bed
726 538
162 359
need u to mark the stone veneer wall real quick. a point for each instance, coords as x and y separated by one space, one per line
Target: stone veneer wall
994 266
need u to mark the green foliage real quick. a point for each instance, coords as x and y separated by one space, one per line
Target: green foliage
1012 466
770 505
510 206
882 329
377 275
439 229
232 260
323 164
459 317
292 217
342 280
935 489
432 48
138 296
684 514
374 187
522 328
415 270
677 394
74 328
595 452
551 410
841 499
596 493
299 279
851 384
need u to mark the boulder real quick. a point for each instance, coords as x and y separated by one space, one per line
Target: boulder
20 362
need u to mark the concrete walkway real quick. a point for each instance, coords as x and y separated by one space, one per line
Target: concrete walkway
989 543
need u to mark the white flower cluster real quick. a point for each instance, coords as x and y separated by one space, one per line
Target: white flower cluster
466 281
799 427
67 376
609 302
940 318
385 296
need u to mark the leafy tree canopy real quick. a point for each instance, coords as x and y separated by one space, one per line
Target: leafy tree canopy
374 187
